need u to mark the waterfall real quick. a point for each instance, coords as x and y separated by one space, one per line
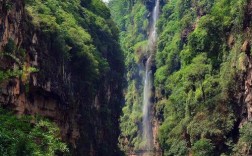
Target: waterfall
147 93
153 30
147 128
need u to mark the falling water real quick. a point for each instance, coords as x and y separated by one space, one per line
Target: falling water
147 128
153 30
147 103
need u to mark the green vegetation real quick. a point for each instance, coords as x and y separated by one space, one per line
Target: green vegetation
16 73
81 38
7 5
132 19
72 46
27 136
83 33
197 77
10 47
203 147
196 73
199 63
244 145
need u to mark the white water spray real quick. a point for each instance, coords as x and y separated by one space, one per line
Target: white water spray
147 128
147 102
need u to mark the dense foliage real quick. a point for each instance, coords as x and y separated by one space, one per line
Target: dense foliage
73 47
199 63
27 136
85 42
133 23
196 73
83 33
84 39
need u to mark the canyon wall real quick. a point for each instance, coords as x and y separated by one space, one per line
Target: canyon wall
39 80
202 75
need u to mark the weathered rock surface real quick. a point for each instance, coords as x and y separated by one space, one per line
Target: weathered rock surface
54 91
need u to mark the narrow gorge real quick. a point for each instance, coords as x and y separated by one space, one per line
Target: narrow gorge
201 74
125 78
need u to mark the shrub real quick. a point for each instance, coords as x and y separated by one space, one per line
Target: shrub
19 137
203 147
10 47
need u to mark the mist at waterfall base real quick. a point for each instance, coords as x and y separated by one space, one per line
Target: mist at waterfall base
148 81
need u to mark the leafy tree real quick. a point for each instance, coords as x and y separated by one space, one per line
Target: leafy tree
18 136
203 147
196 76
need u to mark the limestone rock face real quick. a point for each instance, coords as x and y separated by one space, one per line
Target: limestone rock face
245 94
54 91
246 47
13 94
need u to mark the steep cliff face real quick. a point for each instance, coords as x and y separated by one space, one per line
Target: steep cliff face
136 20
38 79
246 48
205 64
202 78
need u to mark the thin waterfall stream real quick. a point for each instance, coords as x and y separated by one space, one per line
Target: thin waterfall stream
148 81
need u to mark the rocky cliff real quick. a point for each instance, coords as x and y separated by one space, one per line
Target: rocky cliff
38 79
246 97
202 76
208 57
